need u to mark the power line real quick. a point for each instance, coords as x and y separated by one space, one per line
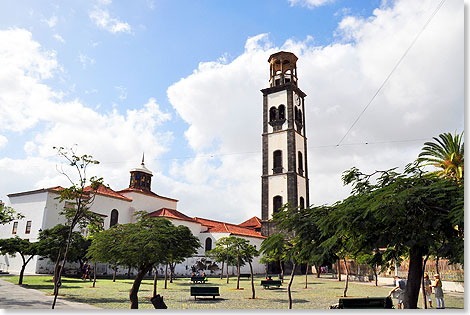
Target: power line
393 70
257 152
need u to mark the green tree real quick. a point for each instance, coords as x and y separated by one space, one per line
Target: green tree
248 253
273 250
223 252
446 154
8 214
16 245
51 244
141 245
406 213
77 198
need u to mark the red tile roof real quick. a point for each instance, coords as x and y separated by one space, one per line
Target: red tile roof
145 192
106 191
171 213
222 227
253 223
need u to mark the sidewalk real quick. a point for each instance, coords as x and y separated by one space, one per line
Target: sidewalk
13 296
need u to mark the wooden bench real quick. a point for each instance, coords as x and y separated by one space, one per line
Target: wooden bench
205 291
270 283
245 275
198 279
367 303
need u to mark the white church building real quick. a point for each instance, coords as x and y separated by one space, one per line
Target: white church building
41 210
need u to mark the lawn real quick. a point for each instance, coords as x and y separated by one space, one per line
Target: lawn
319 295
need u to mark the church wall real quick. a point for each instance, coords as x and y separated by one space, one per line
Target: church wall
104 205
149 203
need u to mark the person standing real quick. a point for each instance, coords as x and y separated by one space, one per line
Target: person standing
428 289
437 285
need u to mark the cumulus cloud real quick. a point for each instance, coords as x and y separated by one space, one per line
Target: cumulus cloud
51 22
3 141
26 102
101 17
59 38
222 104
309 3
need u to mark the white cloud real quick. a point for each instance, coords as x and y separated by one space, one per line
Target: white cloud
59 38
101 17
122 92
85 60
51 22
310 3
26 102
222 104
3 141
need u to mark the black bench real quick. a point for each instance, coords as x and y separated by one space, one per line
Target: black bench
367 302
198 279
245 275
270 283
204 291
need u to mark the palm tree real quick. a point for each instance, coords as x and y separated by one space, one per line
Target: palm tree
447 155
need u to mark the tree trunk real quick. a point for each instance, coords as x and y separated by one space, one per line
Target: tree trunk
166 276
338 269
290 285
222 271
306 276
94 274
133 297
413 284
425 302
227 273
238 274
56 272
347 277
252 281
437 266
129 273
155 276
172 271
318 270
114 273
266 271
374 269
20 280
282 271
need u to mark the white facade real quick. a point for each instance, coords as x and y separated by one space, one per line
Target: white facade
41 207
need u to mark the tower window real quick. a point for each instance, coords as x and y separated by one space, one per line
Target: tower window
114 218
272 114
302 203
277 161
208 244
277 203
15 228
28 227
282 112
301 163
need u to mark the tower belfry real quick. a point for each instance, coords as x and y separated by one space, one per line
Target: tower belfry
285 177
141 177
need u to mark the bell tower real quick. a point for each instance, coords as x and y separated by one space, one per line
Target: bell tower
285 176
141 177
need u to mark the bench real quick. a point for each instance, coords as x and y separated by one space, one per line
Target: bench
245 275
204 291
198 279
270 283
367 302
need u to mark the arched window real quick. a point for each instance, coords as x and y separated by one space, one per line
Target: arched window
272 114
277 161
114 218
208 244
302 203
296 114
301 162
282 112
300 116
277 203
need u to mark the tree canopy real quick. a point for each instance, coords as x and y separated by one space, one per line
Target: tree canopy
24 248
8 214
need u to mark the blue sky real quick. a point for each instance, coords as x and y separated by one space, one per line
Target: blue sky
180 80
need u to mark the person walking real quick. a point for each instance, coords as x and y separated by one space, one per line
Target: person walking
437 285
400 288
428 289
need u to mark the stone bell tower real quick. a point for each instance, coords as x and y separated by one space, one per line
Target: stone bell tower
141 177
285 175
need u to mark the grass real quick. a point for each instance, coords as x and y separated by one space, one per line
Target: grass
319 295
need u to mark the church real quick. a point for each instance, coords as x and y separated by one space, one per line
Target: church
284 180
